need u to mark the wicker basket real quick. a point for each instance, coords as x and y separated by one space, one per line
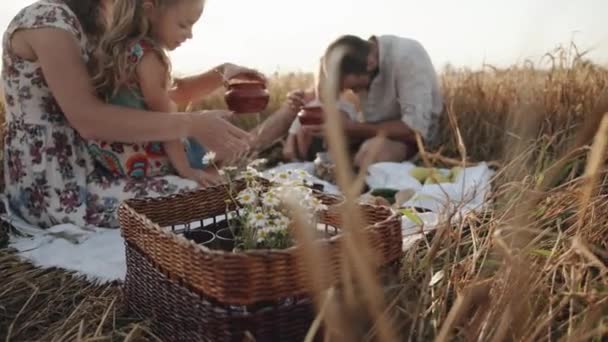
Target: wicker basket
180 314
153 226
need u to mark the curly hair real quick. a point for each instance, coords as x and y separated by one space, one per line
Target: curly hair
112 69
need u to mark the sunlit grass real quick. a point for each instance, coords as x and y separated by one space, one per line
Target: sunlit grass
533 267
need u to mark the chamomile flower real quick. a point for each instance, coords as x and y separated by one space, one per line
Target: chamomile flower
282 221
247 197
209 157
250 173
258 162
271 200
229 169
258 219
281 177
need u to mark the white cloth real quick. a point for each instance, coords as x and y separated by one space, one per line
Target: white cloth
468 193
406 87
99 254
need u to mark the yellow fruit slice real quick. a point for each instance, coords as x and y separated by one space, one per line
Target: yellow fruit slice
437 177
420 173
455 172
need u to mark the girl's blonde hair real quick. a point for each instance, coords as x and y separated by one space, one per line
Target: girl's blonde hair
112 67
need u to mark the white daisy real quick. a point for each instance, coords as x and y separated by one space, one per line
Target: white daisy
250 173
258 162
320 206
209 157
281 177
311 205
258 219
267 229
247 197
271 200
283 221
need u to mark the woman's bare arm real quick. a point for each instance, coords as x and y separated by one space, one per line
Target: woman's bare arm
194 88
66 74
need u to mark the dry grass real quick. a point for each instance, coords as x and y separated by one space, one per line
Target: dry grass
51 305
534 267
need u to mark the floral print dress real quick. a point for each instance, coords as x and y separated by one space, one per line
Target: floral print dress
49 173
132 160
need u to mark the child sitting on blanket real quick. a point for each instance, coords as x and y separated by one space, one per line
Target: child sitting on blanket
302 146
132 69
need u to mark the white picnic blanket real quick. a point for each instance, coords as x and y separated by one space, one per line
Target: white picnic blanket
99 254
467 193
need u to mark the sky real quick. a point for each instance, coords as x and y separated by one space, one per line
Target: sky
287 35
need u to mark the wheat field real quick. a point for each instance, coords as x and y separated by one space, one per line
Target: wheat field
532 268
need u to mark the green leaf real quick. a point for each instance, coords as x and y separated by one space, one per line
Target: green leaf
413 216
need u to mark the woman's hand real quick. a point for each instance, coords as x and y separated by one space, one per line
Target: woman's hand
208 178
204 178
215 133
230 71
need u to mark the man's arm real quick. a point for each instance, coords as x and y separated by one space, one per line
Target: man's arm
415 79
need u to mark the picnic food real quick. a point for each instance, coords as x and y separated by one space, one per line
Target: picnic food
420 173
438 178
455 173
429 175
386 193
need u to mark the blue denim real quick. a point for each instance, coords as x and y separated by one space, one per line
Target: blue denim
195 152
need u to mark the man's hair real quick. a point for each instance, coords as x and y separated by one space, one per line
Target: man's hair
352 53
354 59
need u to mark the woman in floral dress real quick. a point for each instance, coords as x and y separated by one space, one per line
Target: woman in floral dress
51 107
